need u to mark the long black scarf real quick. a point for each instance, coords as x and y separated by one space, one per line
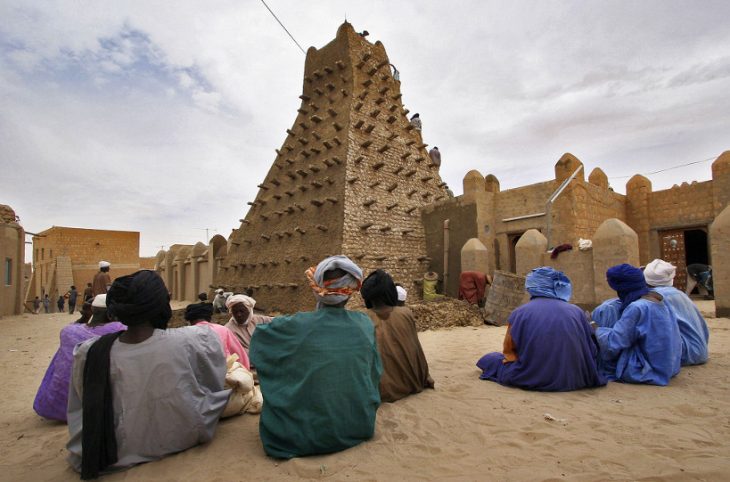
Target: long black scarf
98 440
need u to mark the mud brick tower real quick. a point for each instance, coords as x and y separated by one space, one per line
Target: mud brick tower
349 179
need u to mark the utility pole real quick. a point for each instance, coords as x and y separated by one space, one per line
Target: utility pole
207 238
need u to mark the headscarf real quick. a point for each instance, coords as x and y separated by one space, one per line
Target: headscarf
138 298
246 300
379 289
334 291
546 282
402 293
628 282
659 273
199 311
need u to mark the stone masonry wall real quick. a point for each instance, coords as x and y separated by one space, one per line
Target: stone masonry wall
680 206
348 179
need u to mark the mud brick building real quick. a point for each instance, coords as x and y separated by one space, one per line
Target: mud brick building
672 224
70 256
12 257
349 178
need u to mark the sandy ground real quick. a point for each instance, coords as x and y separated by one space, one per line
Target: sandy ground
466 429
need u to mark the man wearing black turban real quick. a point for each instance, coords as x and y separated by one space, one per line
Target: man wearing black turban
155 363
405 369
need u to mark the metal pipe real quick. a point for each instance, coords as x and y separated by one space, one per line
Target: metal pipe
526 216
446 254
551 200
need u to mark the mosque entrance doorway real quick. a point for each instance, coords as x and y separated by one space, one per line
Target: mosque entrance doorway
513 238
682 247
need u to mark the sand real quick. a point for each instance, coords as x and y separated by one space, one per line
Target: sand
466 429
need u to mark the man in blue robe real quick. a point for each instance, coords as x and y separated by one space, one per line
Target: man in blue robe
693 330
548 345
319 371
644 345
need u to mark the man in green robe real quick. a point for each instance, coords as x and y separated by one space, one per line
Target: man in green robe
319 371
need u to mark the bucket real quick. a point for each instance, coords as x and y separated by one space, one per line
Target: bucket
506 293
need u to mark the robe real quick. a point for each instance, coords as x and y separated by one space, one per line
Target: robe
692 326
548 347
607 313
319 373
405 369
230 342
245 332
643 346
101 283
167 394
472 285
51 401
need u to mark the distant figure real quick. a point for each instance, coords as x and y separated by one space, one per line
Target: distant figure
700 275
72 297
402 295
219 302
46 304
243 321
148 391
693 330
449 192
405 369
548 345
364 33
203 297
60 303
319 370
472 287
435 156
52 398
102 280
416 121
396 73
88 292
644 345
36 305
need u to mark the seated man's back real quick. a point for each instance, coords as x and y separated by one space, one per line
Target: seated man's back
319 373
147 392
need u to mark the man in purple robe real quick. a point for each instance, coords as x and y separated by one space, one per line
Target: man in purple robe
548 345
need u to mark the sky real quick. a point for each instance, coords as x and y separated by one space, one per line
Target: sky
162 117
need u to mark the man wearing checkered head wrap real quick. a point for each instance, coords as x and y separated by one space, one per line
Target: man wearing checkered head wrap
319 370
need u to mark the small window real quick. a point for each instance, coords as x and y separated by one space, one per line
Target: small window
8 271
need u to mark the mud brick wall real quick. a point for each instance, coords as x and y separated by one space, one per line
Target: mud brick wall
594 205
12 258
349 179
685 205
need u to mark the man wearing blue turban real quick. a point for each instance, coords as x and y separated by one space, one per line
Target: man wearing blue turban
548 345
643 345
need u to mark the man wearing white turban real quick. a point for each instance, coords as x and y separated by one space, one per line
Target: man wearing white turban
659 275
319 370
243 320
102 280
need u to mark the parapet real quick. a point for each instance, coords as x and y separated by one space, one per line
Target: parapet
566 166
721 165
598 178
637 184
473 182
491 183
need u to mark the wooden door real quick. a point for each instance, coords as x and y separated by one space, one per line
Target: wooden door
673 251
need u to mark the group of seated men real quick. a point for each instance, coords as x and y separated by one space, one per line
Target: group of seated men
137 391
642 336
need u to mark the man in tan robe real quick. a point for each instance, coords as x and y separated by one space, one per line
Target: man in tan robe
102 280
243 320
405 369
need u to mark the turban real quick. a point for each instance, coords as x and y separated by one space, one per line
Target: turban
139 298
628 282
99 301
379 289
104 264
659 273
547 282
402 293
199 311
334 291
246 300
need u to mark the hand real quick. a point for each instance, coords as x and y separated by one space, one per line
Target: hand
594 325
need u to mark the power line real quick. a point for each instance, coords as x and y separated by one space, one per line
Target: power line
667 168
282 26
